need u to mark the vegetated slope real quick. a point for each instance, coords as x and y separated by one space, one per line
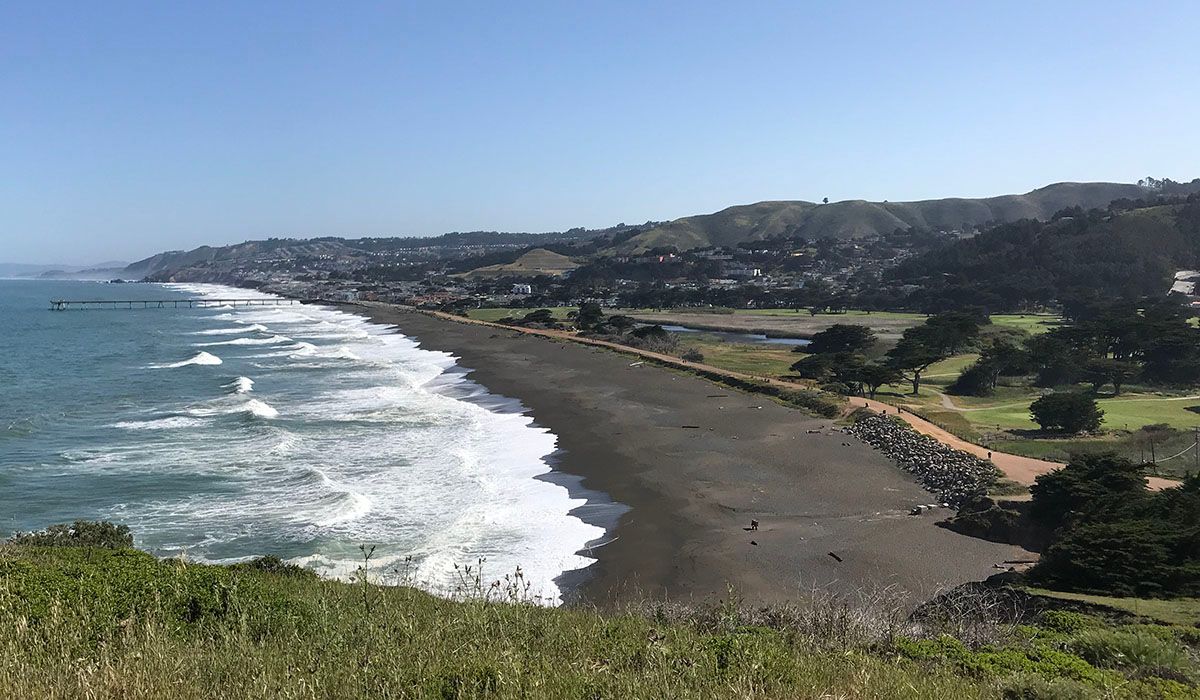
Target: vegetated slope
1027 262
857 218
97 621
538 261
163 264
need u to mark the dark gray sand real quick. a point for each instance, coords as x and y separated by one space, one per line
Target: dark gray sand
692 490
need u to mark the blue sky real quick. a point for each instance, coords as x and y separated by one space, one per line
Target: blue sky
129 128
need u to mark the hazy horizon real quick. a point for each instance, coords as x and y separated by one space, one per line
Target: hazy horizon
134 128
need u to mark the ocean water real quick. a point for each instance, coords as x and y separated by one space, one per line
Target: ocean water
226 433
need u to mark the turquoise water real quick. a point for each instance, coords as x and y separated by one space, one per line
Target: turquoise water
300 431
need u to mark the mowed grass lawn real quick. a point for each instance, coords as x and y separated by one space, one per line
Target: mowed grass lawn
1008 408
1125 412
1033 324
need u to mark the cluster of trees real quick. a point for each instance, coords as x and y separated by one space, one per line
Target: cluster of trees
838 356
591 320
1129 250
1148 340
837 360
1107 533
1110 344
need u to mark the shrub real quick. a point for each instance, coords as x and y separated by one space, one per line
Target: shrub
1132 651
274 565
653 338
81 533
693 355
1067 621
1071 412
977 380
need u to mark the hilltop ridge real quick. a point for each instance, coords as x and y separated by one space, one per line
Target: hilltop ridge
728 227
857 218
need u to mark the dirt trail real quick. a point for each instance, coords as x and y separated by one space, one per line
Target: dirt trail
1022 470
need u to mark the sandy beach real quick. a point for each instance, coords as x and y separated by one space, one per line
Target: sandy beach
695 462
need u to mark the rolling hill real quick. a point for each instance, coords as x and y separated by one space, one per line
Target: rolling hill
728 227
858 218
277 248
538 261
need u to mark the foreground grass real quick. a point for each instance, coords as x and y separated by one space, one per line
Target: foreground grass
98 623
118 623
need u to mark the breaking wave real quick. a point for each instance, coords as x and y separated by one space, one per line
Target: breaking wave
160 423
349 432
233 331
262 409
273 340
241 385
200 358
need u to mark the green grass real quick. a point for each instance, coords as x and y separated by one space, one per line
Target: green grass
1033 324
1178 611
758 359
495 314
101 623
1061 450
1002 420
104 623
851 314
1030 323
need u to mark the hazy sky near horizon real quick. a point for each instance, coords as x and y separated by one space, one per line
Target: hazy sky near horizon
127 128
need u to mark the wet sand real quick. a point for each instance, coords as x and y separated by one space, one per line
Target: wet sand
628 432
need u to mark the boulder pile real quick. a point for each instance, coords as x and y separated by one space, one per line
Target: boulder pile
955 476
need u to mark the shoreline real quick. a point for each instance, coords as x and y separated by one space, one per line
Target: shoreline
598 509
625 430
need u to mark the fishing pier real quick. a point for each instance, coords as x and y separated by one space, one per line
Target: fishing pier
76 304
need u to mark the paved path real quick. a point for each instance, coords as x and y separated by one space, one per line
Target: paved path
1022 470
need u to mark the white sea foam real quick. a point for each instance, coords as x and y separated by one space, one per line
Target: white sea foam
200 358
262 409
229 406
272 340
241 385
159 423
251 328
347 505
372 450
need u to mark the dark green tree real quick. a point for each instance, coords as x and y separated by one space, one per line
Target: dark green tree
818 367
933 341
914 356
590 316
1069 411
1105 370
1089 484
841 337
874 375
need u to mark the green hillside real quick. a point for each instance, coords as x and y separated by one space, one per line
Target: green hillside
858 218
113 622
1100 254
